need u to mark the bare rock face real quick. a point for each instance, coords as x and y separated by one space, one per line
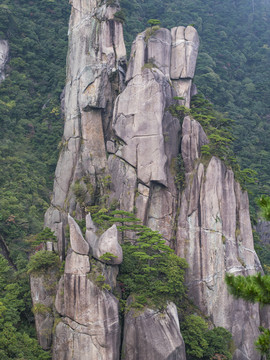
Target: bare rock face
153 335
263 229
215 236
185 45
107 243
4 51
134 140
77 242
89 325
148 136
43 289
95 62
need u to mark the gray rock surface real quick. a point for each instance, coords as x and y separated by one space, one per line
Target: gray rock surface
206 220
89 324
215 236
77 241
185 45
108 242
96 54
153 335
4 52
43 290
263 229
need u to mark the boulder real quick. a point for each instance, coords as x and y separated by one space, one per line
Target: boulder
107 243
185 45
153 335
77 242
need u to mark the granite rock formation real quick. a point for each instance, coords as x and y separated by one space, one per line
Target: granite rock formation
120 146
144 335
4 52
88 327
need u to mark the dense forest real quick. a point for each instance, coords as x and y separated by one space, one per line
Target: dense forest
233 72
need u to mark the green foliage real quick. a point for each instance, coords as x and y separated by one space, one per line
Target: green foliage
96 274
219 133
42 237
202 343
107 257
264 203
178 170
219 343
253 288
153 22
263 342
150 271
193 330
42 261
41 309
120 16
179 111
31 119
19 345
80 192
150 32
16 328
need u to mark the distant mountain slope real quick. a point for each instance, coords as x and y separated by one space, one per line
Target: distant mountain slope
31 124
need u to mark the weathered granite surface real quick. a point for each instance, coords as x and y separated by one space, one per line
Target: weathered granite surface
215 236
4 52
95 63
43 290
153 335
121 146
89 327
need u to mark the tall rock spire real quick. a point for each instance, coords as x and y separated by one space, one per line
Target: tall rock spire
120 146
95 66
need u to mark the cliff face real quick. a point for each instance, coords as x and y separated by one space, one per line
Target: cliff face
122 149
4 51
214 234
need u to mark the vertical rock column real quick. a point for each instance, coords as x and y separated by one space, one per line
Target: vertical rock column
146 145
147 136
95 54
87 326
4 51
215 236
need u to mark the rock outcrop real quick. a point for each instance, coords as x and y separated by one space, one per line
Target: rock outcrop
121 145
88 327
95 65
215 236
153 335
43 290
263 229
4 51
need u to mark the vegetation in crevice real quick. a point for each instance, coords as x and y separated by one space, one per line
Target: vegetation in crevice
43 261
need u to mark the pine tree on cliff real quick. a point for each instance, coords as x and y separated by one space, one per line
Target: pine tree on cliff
255 288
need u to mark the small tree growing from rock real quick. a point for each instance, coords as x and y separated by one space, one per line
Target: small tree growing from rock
154 22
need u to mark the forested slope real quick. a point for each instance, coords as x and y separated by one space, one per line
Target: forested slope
31 123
